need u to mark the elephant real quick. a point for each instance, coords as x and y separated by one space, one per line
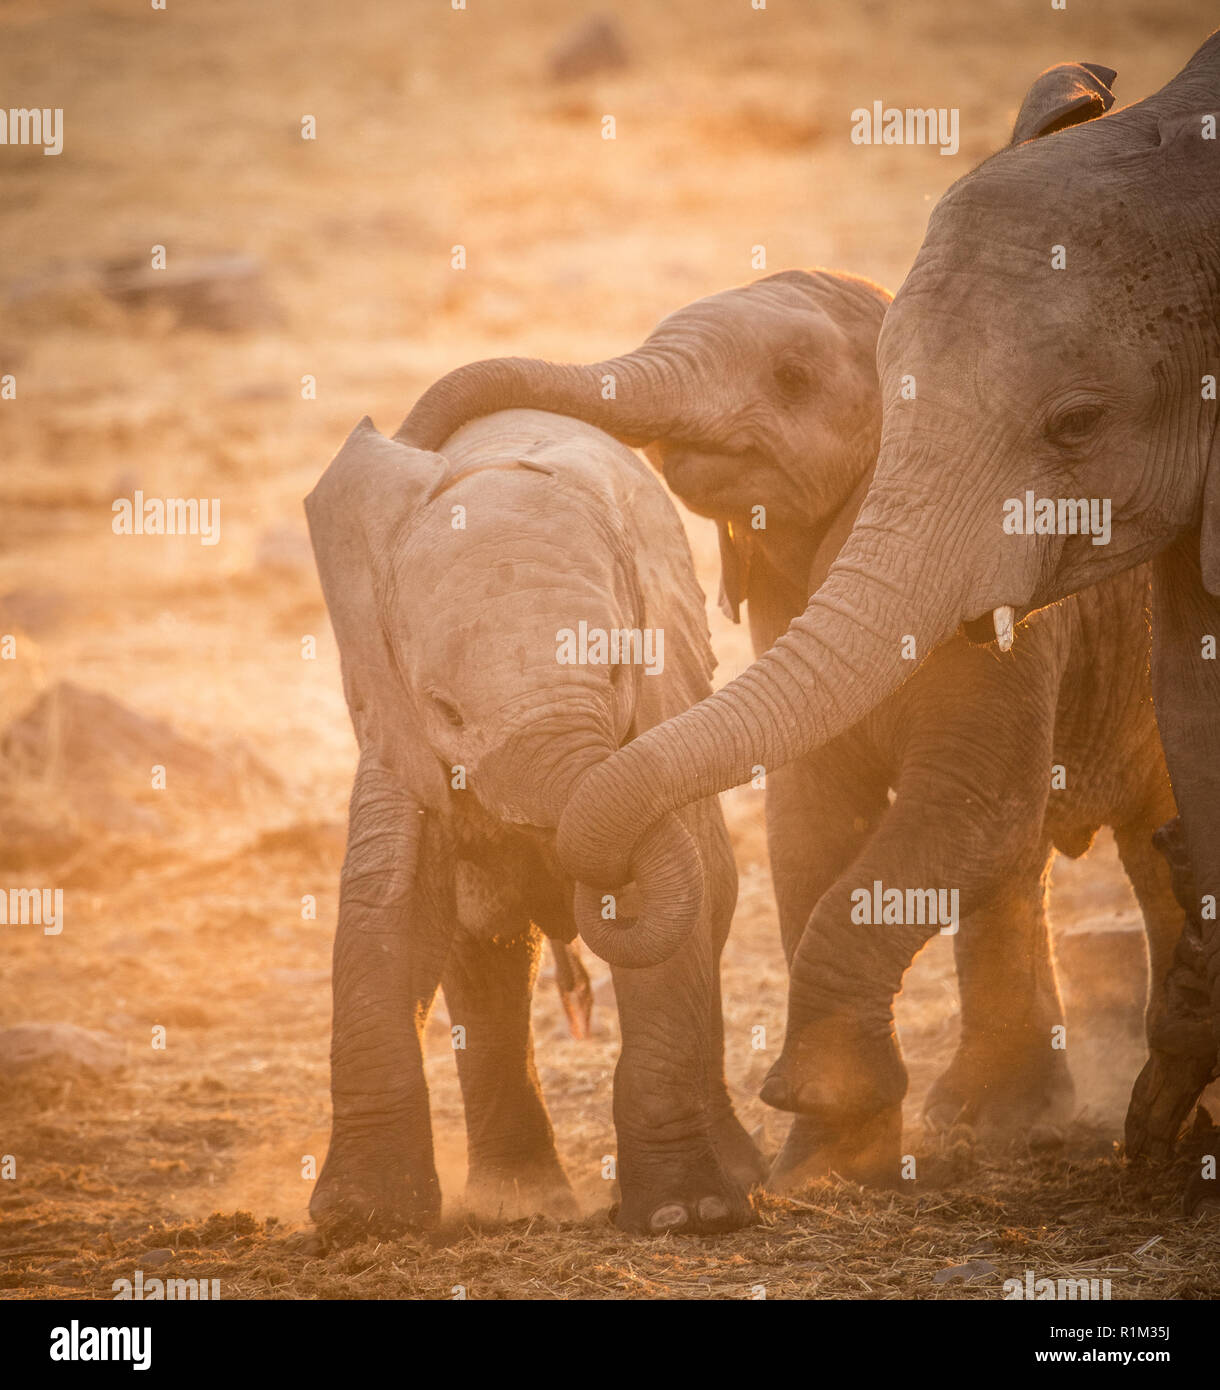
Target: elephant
762 404
967 744
454 583
1055 343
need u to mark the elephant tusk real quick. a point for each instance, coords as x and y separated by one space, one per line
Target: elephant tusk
1002 618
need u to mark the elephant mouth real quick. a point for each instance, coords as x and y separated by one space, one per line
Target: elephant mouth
712 482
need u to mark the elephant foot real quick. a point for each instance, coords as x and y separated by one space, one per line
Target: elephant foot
867 1150
362 1193
835 1077
1182 1043
1161 1099
997 1096
700 1199
508 1192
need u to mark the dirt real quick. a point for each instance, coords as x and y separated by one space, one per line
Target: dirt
186 941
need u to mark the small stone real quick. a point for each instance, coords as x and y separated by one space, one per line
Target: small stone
972 1269
593 45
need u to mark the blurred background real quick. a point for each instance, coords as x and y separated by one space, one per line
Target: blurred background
308 282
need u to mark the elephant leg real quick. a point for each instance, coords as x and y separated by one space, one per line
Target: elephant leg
676 1149
949 830
821 810
1152 884
1186 693
738 1156
513 1169
1006 1074
390 946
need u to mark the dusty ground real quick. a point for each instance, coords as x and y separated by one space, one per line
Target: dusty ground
183 906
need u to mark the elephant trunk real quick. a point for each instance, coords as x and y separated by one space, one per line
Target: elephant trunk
531 780
637 398
886 604
668 872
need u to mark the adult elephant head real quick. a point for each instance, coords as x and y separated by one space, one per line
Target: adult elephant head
1001 375
1048 379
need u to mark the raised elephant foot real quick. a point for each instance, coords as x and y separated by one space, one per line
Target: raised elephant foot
698 1199
834 1075
361 1194
1161 1099
508 1192
1001 1097
863 1149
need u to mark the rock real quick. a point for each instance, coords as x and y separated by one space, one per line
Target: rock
593 45
221 293
36 611
62 1046
972 1269
89 759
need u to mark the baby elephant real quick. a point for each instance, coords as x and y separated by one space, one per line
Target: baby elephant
509 613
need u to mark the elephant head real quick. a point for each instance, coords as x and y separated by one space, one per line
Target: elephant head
913 568
763 394
1001 378
448 583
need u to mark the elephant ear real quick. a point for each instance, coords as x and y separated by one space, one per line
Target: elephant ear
735 547
1063 96
369 491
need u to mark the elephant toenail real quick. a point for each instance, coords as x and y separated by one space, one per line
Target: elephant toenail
713 1209
671 1217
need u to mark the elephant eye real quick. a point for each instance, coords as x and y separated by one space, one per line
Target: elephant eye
1074 424
792 380
447 710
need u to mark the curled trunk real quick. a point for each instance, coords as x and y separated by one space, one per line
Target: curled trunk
668 871
841 657
532 779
